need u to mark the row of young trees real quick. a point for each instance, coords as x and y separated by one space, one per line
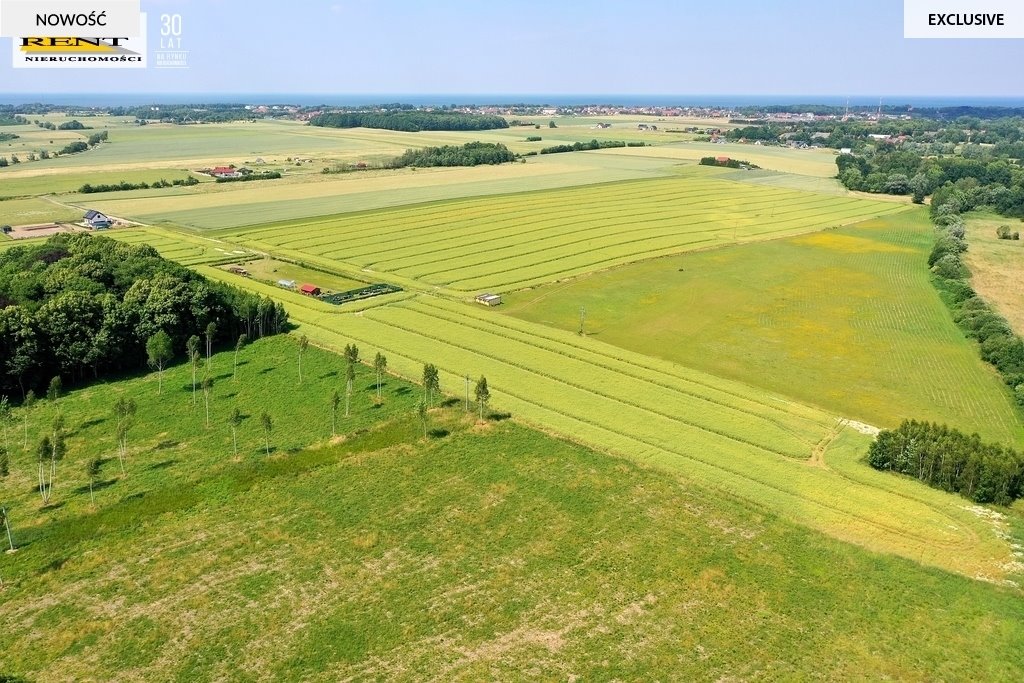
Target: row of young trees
124 185
950 460
82 305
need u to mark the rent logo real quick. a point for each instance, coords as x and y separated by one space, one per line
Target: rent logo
117 52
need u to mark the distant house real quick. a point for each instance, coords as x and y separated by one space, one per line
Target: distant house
488 299
846 150
310 290
287 284
225 172
722 160
97 220
238 270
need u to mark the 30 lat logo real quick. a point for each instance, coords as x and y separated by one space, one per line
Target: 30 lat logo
171 54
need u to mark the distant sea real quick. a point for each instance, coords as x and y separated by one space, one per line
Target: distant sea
94 99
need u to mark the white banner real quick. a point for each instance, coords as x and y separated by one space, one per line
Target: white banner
963 19
61 18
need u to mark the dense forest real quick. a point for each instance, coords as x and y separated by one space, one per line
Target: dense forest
78 306
411 121
950 460
470 154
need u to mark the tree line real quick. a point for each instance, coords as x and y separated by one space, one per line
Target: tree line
727 163
125 185
80 305
950 460
411 121
593 144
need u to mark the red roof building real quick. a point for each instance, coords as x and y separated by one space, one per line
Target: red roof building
310 290
222 170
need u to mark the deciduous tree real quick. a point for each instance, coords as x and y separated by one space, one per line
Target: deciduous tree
192 348
268 426
159 351
380 364
483 395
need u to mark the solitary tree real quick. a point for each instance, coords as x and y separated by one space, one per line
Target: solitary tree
92 470
124 414
380 364
207 385
7 525
43 455
421 410
234 421
192 348
431 383
335 401
5 416
159 351
483 395
268 426
243 339
303 345
352 353
26 407
211 332
350 378
55 390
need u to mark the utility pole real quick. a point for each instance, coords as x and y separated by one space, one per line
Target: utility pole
583 319
467 393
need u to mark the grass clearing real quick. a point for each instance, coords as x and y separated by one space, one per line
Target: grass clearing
271 270
524 239
997 266
215 207
819 163
36 211
745 442
844 319
483 553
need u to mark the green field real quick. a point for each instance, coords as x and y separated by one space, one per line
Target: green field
846 319
36 211
35 184
272 270
212 207
488 552
744 441
526 239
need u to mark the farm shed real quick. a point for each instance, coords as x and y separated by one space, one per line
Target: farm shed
287 284
310 290
238 270
488 299
97 220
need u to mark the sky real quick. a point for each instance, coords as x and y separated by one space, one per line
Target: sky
744 47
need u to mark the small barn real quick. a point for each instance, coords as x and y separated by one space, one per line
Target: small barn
488 299
310 290
238 270
97 220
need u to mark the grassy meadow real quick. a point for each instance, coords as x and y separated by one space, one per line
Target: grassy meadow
997 266
844 319
484 551
525 239
743 441
36 211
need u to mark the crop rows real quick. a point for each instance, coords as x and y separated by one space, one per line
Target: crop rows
189 251
521 240
625 403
